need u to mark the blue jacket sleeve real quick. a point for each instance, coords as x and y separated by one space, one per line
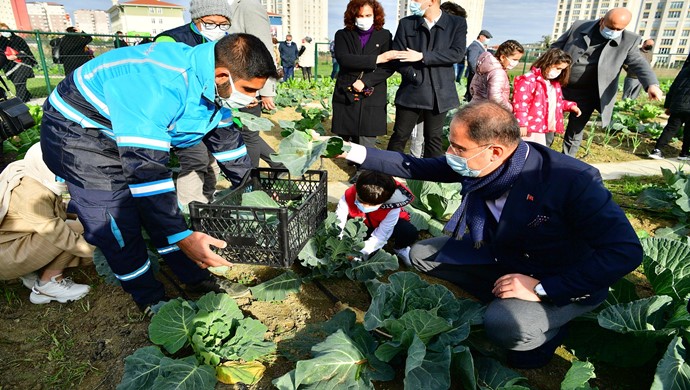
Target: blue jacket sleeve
409 167
227 146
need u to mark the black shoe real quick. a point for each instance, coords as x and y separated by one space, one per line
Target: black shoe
207 285
684 156
656 155
212 284
151 308
537 357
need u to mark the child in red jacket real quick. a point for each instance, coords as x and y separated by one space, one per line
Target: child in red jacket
538 102
379 199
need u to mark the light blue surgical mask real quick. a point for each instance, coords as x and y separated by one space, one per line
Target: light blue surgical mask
610 34
416 9
459 164
364 208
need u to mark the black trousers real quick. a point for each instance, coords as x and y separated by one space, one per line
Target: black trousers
257 148
675 121
406 119
587 102
404 234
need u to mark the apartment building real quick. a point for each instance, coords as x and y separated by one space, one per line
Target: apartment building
14 14
301 18
145 16
48 16
668 23
92 21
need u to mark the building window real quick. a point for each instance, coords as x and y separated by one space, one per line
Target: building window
667 42
676 4
669 33
642 32
657 15
648 6
645 15
674 14
152 10
160 21
159 10
664 50
681 50
683 42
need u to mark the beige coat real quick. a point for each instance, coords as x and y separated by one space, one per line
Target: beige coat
34 234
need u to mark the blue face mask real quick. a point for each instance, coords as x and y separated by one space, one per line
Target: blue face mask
610 34
364 208
416 9
459 164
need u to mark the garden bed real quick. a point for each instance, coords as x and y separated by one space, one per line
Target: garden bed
83 344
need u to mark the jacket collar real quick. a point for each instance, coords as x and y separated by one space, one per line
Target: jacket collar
204 66
442 22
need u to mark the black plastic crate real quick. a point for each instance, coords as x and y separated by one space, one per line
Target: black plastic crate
265 236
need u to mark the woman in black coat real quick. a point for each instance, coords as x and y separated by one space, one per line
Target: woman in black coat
17 62
73 49
360 95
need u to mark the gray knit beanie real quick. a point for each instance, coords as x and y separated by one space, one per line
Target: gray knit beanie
200 8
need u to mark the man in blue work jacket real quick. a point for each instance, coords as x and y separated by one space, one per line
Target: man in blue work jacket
108 128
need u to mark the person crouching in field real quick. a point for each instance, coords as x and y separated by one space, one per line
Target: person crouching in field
35 233
379 199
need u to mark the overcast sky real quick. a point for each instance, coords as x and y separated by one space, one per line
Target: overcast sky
522 20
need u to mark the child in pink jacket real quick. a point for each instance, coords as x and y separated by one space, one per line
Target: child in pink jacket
538 102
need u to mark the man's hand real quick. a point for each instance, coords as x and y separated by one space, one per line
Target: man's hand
654 92
410 55
197 247
358 85
576 110
516 286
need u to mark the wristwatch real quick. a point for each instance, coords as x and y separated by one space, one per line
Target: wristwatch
541 293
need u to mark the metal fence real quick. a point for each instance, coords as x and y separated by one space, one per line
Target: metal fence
48 73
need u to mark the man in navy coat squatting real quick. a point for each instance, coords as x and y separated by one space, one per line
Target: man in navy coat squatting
537 236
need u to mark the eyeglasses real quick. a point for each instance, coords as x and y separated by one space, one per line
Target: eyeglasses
211 26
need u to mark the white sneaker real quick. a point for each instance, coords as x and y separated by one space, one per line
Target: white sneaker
29 280
62 291
404 255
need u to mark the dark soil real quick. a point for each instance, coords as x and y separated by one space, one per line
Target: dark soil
83 344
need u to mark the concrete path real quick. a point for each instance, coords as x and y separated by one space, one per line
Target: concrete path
649 167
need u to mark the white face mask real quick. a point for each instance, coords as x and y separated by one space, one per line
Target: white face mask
364 24
236 100
512 63
553 73
611 34
6 34
212 34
